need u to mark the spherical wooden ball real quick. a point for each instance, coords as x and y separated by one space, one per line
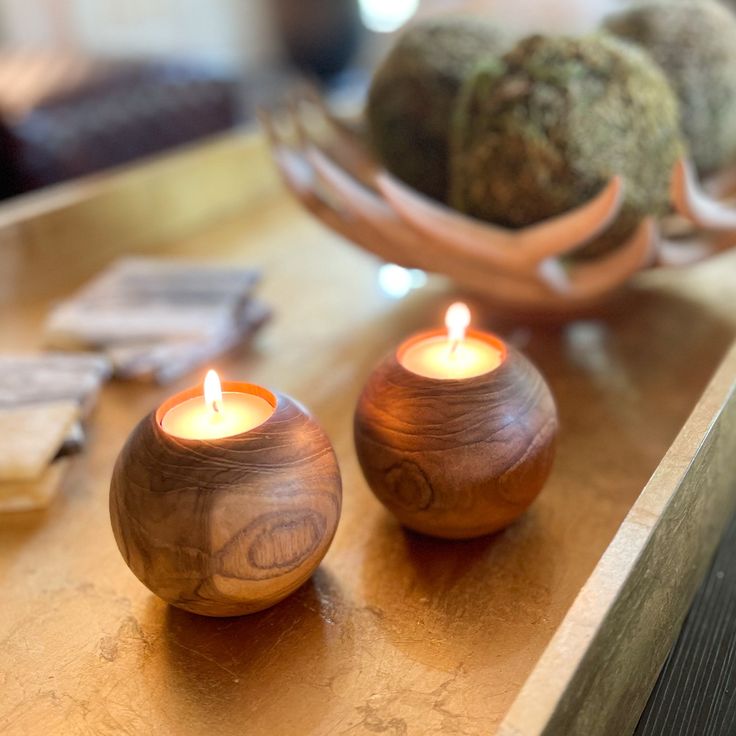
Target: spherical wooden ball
229 526
456 458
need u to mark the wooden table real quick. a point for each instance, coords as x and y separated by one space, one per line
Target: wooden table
395 634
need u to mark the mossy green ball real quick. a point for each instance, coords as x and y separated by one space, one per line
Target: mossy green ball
413 93
549 131
695 45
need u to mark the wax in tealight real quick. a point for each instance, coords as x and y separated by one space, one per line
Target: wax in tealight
435 357
193 419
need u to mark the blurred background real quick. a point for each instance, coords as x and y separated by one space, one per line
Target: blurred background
90 84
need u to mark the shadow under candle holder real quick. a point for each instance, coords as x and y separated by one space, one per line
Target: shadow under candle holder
245 669
466 598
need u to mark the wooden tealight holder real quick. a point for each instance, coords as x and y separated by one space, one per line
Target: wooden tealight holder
227 526
456 458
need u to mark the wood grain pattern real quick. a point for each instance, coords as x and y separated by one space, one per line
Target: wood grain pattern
32 437
232 526
395 632
44 399
157 319
36 494
456 458
33 378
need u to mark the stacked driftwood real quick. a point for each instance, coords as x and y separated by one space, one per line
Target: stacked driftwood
44 402
158 319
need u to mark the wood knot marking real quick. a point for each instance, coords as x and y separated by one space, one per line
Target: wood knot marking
238 532
409 487
286 540
277 540
446 457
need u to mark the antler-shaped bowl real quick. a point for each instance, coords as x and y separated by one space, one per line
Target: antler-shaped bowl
327 167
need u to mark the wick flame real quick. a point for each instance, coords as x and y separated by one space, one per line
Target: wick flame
457 320
213 392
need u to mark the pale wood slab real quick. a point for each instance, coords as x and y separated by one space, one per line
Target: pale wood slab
158 318
33 495
140 300
39 378
32 436
43 399
166 360
395 633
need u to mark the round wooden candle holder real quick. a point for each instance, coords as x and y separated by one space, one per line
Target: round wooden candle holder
456 458
229 526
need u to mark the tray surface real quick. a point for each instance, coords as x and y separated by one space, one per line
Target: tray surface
396 633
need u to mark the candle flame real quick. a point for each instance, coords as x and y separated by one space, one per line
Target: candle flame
213 392
457 320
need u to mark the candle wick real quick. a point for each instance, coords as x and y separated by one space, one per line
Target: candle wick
216 407
453 347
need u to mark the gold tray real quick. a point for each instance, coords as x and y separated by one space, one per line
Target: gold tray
559 625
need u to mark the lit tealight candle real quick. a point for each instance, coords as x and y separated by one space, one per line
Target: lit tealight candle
455 431
216 414
223 501
454 354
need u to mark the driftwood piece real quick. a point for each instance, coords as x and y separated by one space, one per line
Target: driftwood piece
141 299
43 401
36 494
32 436
158 318
164 361
48 377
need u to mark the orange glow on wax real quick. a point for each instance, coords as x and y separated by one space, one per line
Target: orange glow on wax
214 414
454 355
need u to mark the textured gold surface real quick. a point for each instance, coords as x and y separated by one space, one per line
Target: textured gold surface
395 634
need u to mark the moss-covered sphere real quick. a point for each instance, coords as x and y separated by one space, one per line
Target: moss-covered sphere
695 45
549 131
413 93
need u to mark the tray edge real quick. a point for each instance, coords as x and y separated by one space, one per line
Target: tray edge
602 662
